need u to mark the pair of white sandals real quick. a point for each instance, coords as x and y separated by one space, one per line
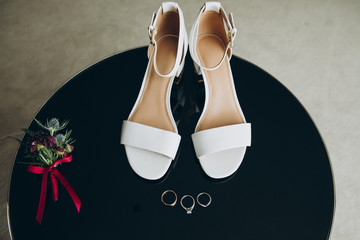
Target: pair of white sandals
150 135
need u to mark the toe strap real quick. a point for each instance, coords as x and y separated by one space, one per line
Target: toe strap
150 138
221 138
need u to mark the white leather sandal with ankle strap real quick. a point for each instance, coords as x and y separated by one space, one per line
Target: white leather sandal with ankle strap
150 135
222 134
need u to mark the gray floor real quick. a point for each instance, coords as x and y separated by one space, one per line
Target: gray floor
313 47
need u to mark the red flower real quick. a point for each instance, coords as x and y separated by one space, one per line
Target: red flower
33 146
39 140
49 141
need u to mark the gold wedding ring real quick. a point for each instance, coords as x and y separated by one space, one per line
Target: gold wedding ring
169 204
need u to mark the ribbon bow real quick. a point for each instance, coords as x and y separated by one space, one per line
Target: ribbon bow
45 171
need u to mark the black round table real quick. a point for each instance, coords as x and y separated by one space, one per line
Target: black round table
283 190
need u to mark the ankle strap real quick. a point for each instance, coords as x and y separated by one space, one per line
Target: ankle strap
230 31
182 41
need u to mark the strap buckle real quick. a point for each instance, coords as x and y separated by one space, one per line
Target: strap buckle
232 35
152 29
232 29
152 33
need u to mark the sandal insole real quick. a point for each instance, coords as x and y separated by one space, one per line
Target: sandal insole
151 109
222 108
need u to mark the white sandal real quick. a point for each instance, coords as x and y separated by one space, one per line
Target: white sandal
222 134
150 135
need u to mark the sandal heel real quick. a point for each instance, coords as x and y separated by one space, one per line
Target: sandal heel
197 69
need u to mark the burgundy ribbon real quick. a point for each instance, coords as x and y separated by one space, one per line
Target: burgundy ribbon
45 171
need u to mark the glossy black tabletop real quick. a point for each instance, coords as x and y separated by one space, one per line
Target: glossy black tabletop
283 189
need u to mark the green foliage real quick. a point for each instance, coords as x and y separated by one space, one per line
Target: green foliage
47 156
28 131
